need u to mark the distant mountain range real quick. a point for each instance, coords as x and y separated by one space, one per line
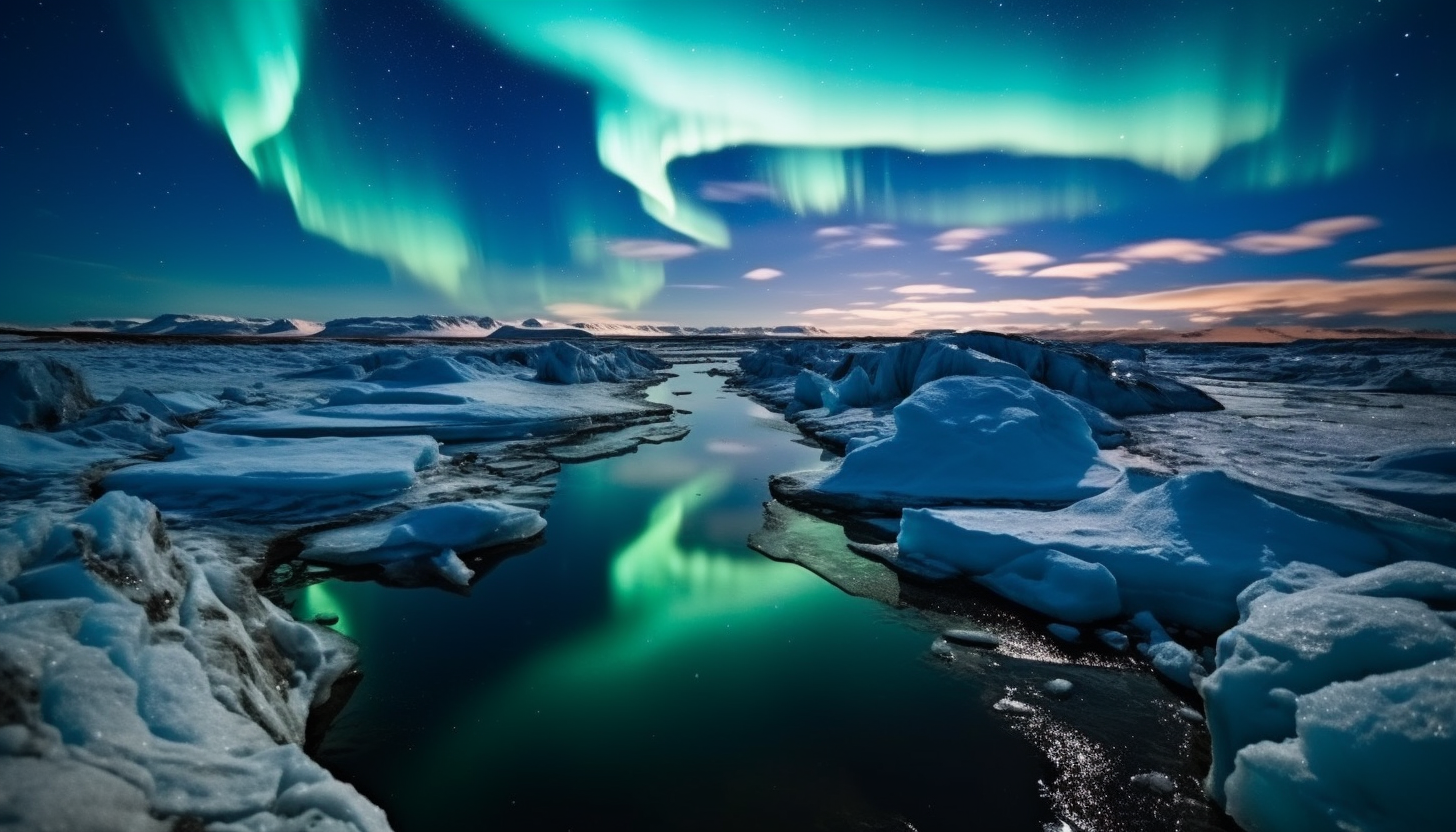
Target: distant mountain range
418 326
535 329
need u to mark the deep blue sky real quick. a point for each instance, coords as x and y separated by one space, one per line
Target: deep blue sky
329 159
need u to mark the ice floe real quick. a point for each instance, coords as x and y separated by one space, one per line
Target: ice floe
240 470
1181 548
425 533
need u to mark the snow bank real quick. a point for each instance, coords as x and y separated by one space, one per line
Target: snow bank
977 439
1423 479
204 466
1333 701
1182 549
145 688
436 532
40 393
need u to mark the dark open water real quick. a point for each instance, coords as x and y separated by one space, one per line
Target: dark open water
645 670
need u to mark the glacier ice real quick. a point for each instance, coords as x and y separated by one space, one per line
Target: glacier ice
144 685
1333 701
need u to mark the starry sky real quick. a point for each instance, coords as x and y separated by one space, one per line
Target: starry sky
864 167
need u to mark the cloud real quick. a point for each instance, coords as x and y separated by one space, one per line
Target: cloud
1083 271
1011 263
1381 297
1303 237
581 311
960 239
1426 261
1173 248
639 249
763 274
736 192
874 235
931 289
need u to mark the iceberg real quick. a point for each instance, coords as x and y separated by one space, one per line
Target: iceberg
969 439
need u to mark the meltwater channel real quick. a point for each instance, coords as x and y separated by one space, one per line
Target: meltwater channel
644 669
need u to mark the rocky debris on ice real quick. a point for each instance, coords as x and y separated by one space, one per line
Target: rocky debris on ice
1181 548
147 686
205 468
429 536
1333 701
963 440
40 393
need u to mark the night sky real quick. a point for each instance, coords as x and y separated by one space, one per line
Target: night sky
858 166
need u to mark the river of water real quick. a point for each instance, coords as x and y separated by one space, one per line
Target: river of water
643 669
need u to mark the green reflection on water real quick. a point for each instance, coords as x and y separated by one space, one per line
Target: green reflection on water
671 601
319 600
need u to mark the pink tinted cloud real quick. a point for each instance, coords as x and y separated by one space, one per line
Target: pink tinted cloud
1011 263
1176 249
1303 237
1083 271
960 239
762 273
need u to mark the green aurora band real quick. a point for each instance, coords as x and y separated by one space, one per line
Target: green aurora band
1170 92
835 102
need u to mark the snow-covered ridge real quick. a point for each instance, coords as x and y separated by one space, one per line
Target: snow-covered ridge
417 326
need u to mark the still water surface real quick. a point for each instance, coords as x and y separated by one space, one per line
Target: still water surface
645 670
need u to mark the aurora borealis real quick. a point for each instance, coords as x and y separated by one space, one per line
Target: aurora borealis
858 166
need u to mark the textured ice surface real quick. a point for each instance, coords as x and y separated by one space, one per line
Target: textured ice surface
1333 701
426 532
1182 548
240 470
966 439
40 393
887 374
143 685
